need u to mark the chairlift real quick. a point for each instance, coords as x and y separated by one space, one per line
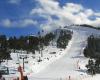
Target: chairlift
26 62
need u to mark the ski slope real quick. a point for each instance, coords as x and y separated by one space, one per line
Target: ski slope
68 64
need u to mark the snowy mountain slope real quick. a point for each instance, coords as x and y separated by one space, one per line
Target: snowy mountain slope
64 63
68 64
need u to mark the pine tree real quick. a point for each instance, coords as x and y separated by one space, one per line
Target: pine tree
91 67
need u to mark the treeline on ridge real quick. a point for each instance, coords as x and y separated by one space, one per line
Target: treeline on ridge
31 43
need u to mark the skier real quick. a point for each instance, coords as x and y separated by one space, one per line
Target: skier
69 78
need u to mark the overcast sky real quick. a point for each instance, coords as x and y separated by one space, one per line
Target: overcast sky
23 17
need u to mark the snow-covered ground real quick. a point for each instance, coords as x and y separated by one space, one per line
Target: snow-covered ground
67 64
72 58
64 65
